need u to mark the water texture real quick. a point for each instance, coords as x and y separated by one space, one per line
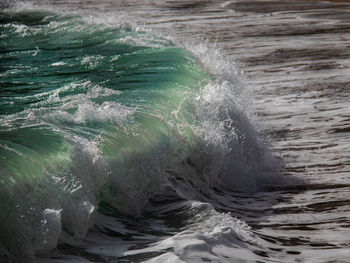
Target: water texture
128 132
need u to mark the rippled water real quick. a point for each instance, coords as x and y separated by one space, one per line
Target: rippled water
294 59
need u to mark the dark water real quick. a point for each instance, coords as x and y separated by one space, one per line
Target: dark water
135 132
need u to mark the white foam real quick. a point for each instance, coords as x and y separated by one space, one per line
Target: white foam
60 63
145 40
238 156
50 229
166 258
92 61
77 217
107 111
60 104
206 232
86 90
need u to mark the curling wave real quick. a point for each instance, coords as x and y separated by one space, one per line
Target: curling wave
96 116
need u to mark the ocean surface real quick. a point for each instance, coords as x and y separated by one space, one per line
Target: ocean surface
174 131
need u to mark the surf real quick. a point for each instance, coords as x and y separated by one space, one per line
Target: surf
98 117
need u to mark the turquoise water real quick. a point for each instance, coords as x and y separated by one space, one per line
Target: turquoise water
195 185
84 107
112 136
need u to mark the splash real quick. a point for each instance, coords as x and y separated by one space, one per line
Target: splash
97 114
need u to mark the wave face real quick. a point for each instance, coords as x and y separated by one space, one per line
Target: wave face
100 124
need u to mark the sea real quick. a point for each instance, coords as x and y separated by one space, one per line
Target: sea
174 131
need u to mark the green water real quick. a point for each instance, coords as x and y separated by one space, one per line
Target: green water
88 112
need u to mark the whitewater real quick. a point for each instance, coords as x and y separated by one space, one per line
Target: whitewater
130 133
